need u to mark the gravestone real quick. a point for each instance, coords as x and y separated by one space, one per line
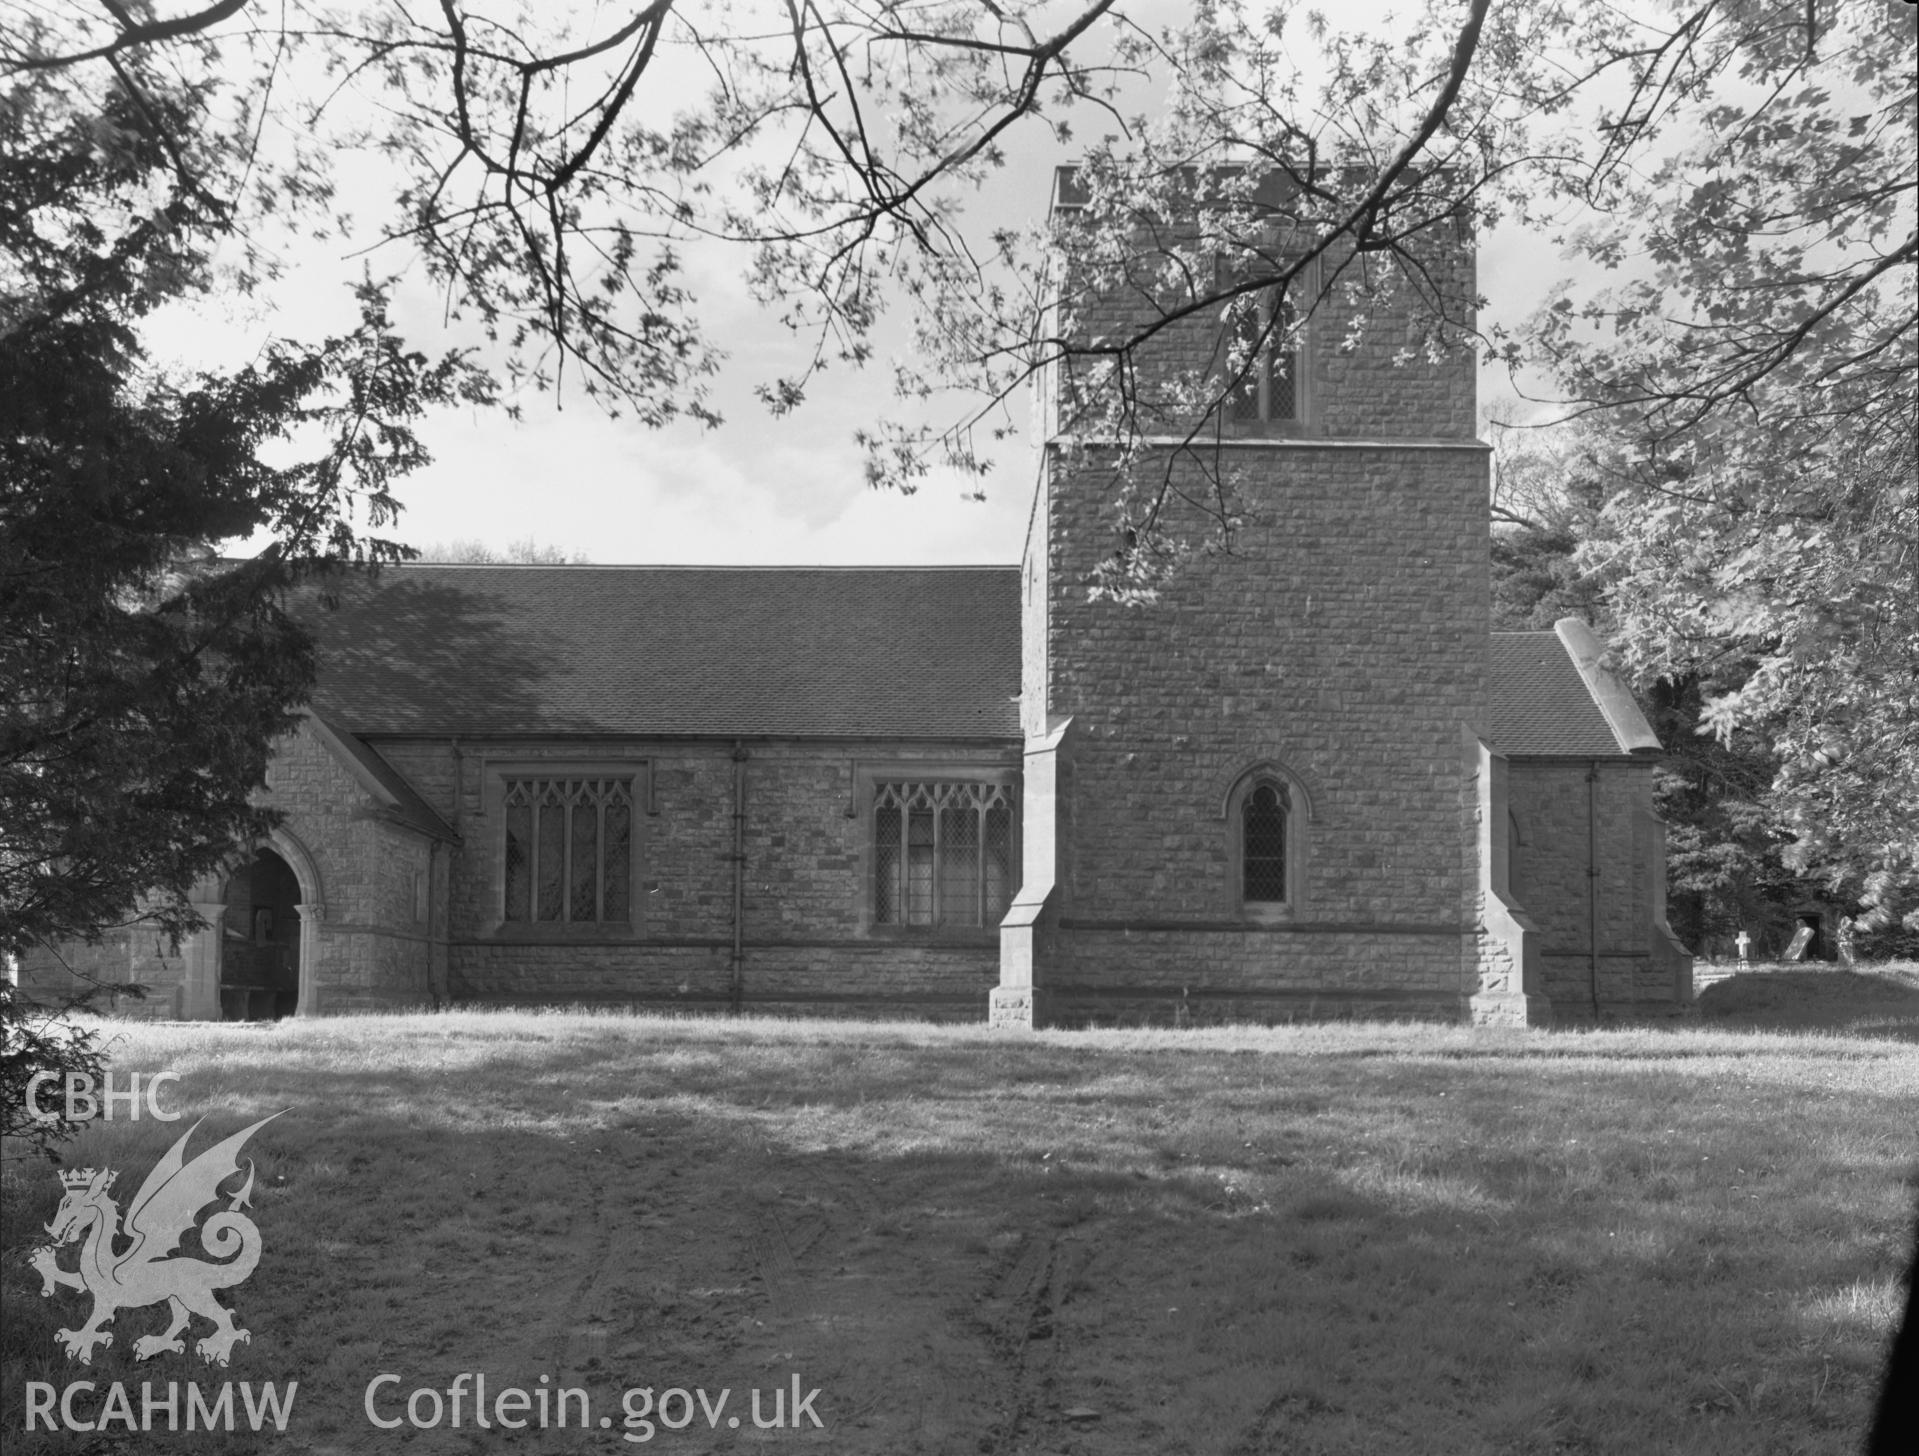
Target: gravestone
1801 938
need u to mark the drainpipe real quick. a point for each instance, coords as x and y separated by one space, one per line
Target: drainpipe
739 874
432 989
1592 881
444 994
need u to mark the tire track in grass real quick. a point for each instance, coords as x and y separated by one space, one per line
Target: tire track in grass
873 1302
775 1262
586 1316
800 1243
575 1323
1018 1315
570 1323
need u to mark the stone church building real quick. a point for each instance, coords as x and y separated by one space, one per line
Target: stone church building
1309 781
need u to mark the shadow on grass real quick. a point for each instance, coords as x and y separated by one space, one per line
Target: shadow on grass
1848 1002
961 1242
927 1293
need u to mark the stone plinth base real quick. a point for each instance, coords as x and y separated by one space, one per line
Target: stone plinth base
1511 1008
1021 1007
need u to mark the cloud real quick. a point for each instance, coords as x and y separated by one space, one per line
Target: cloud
756 493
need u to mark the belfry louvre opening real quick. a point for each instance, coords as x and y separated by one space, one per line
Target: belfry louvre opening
1268 391
942 853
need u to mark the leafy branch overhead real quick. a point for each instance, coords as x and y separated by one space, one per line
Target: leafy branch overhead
557 169
553 164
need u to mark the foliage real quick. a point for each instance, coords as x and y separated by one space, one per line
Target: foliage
141 679
553 163
1727 824
34 1040
556 163
556 167
1545 501
1724 868
1288 161
1751 379
1781 581
1755 187
478 553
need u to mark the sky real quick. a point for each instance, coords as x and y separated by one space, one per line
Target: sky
757 490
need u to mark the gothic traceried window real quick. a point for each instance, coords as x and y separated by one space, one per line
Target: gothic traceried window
1268 391
569 850
1263 846
1263 365
942 853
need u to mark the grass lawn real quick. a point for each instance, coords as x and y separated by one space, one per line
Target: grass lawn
1354 1239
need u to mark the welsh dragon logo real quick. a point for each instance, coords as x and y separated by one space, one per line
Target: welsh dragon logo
159 1216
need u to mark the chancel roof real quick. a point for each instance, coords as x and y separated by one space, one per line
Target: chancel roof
1551 699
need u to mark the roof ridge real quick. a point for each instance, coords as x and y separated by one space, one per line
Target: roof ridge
678 566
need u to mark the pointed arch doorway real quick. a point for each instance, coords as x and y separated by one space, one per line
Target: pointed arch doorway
260 968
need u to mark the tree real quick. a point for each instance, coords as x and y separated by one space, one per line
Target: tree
1777 577
1546 499
1726 830
1756 185
552 175
524 550
1751 382
555 164
36 1040
143 680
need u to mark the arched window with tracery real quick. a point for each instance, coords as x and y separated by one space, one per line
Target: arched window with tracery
942 853
569 850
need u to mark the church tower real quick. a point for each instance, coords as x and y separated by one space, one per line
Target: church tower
1257 797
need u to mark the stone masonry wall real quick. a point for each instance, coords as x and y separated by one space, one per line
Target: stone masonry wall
370 952
1033 617
1346 652
1343 636
126 955
1364 365
1262 974
806 940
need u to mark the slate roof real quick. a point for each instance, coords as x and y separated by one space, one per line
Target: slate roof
1541 705
885 652
662 651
